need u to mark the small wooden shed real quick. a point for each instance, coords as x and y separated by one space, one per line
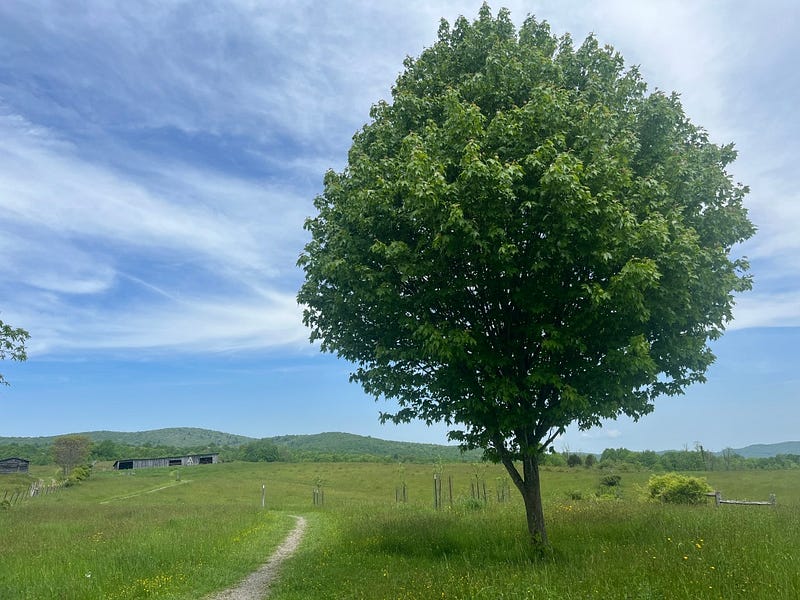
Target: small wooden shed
169 461
14 465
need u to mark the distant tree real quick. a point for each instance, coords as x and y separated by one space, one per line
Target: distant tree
574 460
589 461
553 460
105 450
524 239
69 451
260 451
729 457
12 345
682 460
647 458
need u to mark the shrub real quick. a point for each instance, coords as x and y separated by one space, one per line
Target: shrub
77 475
553 460
469 503
678 489
574 460
575 495
609 481
80 473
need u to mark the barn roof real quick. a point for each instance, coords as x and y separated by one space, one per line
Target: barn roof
176 456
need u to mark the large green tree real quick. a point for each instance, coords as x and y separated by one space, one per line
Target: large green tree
12 345
70 451
524 238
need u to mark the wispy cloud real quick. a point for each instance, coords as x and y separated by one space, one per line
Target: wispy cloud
225 223
80 229
191 325
609 433
773 309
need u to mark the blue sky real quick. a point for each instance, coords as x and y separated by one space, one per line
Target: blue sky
158 160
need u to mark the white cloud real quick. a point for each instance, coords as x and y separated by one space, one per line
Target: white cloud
46 189
77 228
775 309
192 325
54 266
601 433
55 191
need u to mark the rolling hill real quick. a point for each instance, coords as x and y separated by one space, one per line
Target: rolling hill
767 450
334 443
177 437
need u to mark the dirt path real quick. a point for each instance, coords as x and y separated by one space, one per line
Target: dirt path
256 585
143 492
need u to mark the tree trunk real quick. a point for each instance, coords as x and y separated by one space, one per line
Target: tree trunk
529 485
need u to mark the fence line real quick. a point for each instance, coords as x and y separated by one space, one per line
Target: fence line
37 488
717 495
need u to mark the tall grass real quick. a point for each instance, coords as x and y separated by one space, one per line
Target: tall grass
602 548
124 536
150 535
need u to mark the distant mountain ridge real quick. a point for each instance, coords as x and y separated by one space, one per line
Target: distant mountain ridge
178 437
768 450
335 444
330 442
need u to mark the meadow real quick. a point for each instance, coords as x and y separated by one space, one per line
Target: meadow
164 533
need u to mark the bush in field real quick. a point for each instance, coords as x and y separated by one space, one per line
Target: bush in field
470 503
609 481
78 474
610 487
678 489
574 460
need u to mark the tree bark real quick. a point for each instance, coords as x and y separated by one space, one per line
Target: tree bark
529 485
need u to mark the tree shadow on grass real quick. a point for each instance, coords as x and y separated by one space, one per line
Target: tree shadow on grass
447 534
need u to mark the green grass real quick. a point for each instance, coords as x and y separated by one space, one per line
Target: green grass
148 535
611 548
601 553
125 536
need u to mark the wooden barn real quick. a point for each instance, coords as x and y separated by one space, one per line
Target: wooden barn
170 461
14 465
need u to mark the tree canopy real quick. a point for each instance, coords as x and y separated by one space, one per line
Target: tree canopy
12 344
524 238
70 451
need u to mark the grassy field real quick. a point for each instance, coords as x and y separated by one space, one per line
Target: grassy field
154 535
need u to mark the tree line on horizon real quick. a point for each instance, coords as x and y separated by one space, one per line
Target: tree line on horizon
79 449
